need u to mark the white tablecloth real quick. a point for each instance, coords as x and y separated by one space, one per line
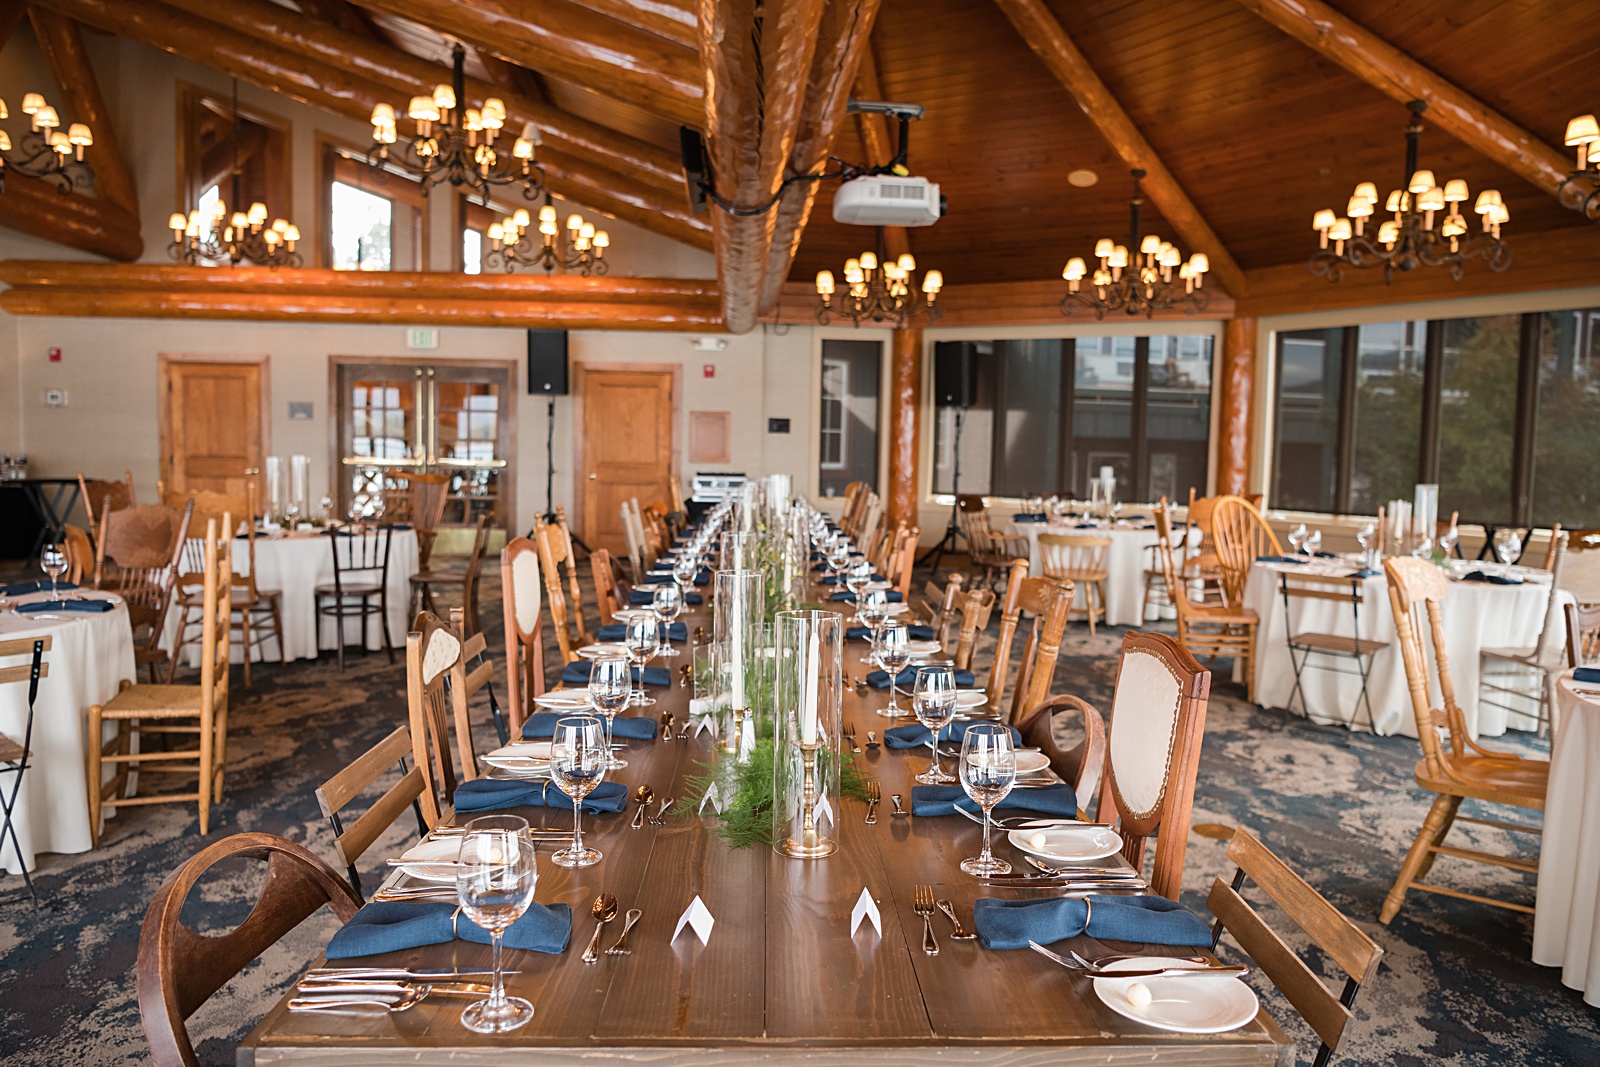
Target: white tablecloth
89 655
1126 559
1566 921
1477 615
295 564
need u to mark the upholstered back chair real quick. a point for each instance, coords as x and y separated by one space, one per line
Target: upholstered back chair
520 593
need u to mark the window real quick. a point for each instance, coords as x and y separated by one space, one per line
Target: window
847 436
363 227
835 396
372 219
471 252
210 151
1568 362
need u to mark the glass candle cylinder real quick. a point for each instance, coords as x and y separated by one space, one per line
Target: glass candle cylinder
809 691
740 551
299 487
1425 512
275 488
737 616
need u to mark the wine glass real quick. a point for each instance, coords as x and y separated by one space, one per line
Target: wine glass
641 641
988 771
578 759
933 697
1297 535
1507 545
495 878
53 559
1449 539
1313 544
326 504
856 579
684 566
668 605
609 689
893 654
872 608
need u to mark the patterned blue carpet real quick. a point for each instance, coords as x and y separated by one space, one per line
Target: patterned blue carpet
1456 985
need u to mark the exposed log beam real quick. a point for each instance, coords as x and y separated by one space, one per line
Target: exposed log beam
1236 418
874 130
88 223
757 59
558 37
1038 26
1392 72
842 38
343 14
673 19
63 49
905 410
11 15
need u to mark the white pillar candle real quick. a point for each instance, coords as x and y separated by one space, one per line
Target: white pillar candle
812 667
736 639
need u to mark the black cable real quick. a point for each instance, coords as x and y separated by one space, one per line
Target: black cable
550 462
711 194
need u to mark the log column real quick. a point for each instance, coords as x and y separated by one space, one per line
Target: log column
905 387
1235 424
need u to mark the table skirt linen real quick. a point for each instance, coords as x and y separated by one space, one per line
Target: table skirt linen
1126 559
1566 921
294 565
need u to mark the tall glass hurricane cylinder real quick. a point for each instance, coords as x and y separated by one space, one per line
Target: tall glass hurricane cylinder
809 694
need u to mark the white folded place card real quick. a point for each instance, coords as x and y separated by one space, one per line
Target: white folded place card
713 797
866 908
823 810
697 916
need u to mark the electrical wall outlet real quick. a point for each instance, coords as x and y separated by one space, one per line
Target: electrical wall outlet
55 398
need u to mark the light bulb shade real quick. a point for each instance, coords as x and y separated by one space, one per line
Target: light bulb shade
257 214
1199 263
444 96
4 114
280 225
825 282
907 262
522 148
574 222
1487 200
32 103
382 115
1396 201
239 220
1075 269
1421 181
1366 191
1118 257
1103 247
291 233
586 231
1102 277
547 214
1169 256
176 221
422 108
1500 214
1150 245
1583 130
46 118
5 141
272 237
1389 232
602 239
1358 207
383 134
472 120
79 134
1455 191
547 227
852 265
1340 231
869 261
932 281
1431 199
1185 272
493 113
59 142
1453 226
1323 219
520 218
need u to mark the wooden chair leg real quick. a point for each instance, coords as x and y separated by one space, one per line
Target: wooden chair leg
1434 827
204 785
221 753
244 633
1438 839
1088 604
96 724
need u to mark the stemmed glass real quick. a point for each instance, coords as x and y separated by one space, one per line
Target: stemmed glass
641 643
1296 536
1365 537
1448 540
1313 544
1507 545
668 605
933 697
893 654
838 553
495 878
856 579
988 771
578 761
872 608
684 566
610 686
53 558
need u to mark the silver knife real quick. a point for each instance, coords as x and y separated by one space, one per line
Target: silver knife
1163 972
421 974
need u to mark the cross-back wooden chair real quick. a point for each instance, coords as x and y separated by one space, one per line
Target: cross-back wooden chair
1207 629
100 498
1453 766
179 969
987 549
1081 560
567 619
608 594
1241 534
423 503
477 676
939 606
351 843
520 596
143 713
138 556
1048 601
972 612
14 753
1339 939
441 734
1158 718
1081 765
80 554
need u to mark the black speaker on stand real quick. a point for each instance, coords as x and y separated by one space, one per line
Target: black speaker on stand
547 376
955 384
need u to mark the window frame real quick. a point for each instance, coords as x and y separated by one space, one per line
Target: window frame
841 432
280 174
339 161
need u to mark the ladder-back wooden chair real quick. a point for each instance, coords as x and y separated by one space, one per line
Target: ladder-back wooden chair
138 556
633 538
144 713
424 500
566 618
1339 939
987 549
178 969
1081 560
80 554
572 574
1048 601
1081 765
441 734
477 676
520 595
1207 629
1158 718
14 752
100 498
1522 680
337 792
902 558
850 514
972 610
608 593
1241 534
257 614
1453 766
939 607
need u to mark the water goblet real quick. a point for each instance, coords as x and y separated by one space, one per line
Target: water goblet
988 771
641 641
495 878
610 686
933 698
1313 544
578 759
668 605
856 579
53 560
893 654
1297 535
1449 539
1507 545
872 608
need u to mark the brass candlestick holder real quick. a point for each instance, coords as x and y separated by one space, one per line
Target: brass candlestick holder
810 843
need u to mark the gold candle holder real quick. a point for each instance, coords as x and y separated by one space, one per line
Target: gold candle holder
811 844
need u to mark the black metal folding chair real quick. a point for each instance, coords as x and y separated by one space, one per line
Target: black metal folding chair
14 755
360 586
1330 647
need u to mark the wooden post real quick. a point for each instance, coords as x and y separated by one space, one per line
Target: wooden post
905 410
1235 421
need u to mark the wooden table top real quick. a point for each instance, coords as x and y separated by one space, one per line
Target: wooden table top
781 978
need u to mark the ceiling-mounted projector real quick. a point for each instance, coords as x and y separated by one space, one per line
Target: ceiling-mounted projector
887 200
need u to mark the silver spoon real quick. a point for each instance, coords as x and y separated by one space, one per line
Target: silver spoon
604 910
642 797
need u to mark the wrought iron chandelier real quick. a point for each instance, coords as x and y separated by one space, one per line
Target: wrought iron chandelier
1411 238
1137 278
213 236
879 290
457 144
45 151
1581 190
511 247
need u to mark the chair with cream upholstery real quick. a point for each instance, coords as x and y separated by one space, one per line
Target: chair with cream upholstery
441 735
520 595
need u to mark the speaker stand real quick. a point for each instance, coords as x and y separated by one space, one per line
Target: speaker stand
550 472
952 530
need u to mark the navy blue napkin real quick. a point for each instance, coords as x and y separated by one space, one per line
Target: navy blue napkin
577 673
1054 800
1326 555
833 579
399 925
1150 919
1492 579
92 606
24 588
1586 674
497 794
1030 516
1087 526
1364 572
618 631
914 633
894 596
916 735
1282 559
542 724
646 597
880 679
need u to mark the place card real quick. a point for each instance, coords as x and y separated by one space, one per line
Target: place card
866 908
714 798
823 808
698 917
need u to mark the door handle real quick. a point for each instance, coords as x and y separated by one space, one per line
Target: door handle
592 476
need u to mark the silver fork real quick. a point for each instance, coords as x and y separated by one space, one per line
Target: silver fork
658 819
922 904
874 795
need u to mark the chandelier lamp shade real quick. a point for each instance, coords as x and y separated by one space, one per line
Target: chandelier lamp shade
880 290
512 246
1142 277
47 151
465 146
1581 190
1425 227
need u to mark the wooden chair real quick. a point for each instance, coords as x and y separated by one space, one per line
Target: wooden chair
258 617
1081 765
1048 601
1081 560
1461 769
138 556
1583 633
178 969
939 607
902 557
552 553
572 574
524 626
80 554
1241 534
633 538
1523 680
143 713
100 498
990 550
437 707
973 611
608 594
1209 630
1339 939
1158 718
14 754
471 619
360 587
423 506
477 676
334 794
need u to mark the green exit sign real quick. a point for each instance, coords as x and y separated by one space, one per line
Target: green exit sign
422 337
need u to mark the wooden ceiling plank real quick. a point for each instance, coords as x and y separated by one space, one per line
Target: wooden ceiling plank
63 50
876 141
664 18
11 14
1039 28
1386 68
844 31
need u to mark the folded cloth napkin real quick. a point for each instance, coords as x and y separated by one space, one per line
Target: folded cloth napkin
915 633
644 597
496 794
817 556
542 724
880 679
1326 555
399 925
833 579
1492 579
618 631
1030 516
1586 674
1364 572
67 605
1056 800
24 588
1087 526
577 673
1153 920
1283 559
916 735
848 597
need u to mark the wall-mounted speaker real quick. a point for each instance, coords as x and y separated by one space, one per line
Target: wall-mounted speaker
955 374
547 362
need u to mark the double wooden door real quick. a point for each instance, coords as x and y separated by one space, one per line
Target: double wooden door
211 425
625 444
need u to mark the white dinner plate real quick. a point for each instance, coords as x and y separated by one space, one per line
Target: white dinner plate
1067 843
519 754
564 700
602 650
879 585
1182 1004
432 861
627 614
967 699
899 608
1031 763
649 587
924 648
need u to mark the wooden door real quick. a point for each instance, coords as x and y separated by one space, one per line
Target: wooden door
625 446
211 425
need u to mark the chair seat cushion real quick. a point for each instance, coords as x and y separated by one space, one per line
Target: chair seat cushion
424 577
1507 781
156 700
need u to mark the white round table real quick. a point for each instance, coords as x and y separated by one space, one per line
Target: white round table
89 655
1566 921
1126 559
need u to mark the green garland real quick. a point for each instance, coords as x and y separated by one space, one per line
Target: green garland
747 813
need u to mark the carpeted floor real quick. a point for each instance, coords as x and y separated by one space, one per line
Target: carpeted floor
1456 985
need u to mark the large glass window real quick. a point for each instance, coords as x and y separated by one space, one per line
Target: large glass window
1310 366
362 228
1028 437
371 221
1478 415
1388 413
1566 488
1178 419
848 427
1104 370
